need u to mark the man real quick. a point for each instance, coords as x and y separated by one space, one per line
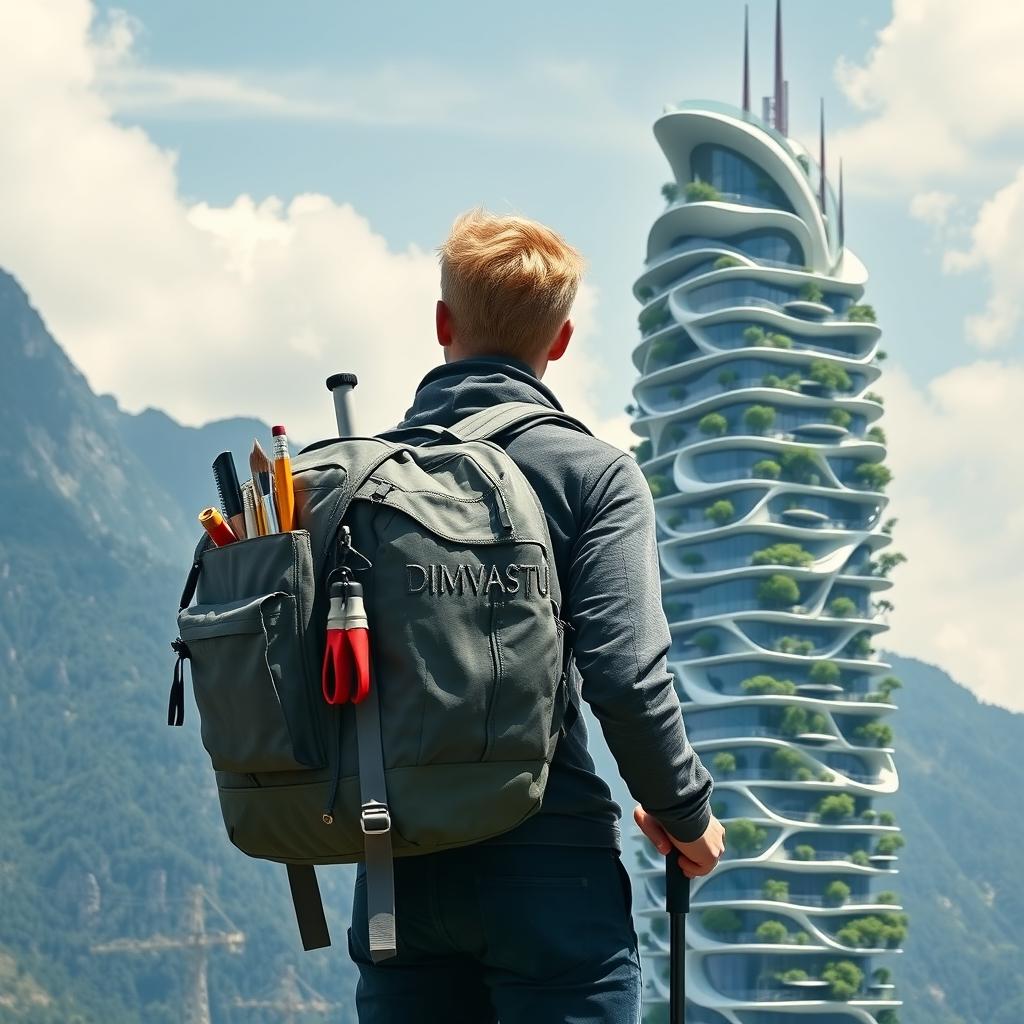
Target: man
535 926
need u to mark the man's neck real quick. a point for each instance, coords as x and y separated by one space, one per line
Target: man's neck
454 353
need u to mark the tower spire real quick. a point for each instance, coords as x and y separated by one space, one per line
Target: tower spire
821 157
842 225
780 80
746 59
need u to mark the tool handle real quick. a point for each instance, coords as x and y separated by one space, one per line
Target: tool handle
677 885
677 903
340 385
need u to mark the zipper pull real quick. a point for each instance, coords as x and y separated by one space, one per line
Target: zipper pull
176 700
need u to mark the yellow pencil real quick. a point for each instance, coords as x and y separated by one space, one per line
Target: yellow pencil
283 481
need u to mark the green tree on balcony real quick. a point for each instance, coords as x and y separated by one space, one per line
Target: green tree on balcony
728 377
842 606
829 375
793 720
844 978
886 818
720 512
794 645
860 858
767 684
783 553
861 313
724 762
792 974
654 317
692 559
836 893
810 291
800 466
789 764
767 469
771 931
874 733
778 591
873 475
759 418
839 417
702 192
835 807
877 434
887 845
745 837
775 889
825 673
644 293
886 896
887 561
714 424
875 931
885 688
803 851
670 190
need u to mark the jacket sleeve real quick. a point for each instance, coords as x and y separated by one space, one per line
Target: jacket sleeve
621 644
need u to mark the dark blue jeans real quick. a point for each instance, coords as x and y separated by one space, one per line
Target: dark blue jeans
516 934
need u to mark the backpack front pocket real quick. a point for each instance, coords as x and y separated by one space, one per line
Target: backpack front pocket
251 688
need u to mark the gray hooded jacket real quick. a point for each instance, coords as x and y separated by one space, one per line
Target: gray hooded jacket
601 517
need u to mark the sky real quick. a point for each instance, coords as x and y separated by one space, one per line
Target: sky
215 205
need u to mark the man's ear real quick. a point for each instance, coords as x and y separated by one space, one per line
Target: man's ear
561 342
443 321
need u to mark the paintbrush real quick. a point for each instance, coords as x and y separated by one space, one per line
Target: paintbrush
262 475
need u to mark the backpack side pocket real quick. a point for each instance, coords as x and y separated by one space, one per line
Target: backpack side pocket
250 684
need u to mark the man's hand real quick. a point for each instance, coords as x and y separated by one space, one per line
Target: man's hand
697 858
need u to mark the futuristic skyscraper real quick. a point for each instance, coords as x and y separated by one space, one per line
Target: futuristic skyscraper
766 461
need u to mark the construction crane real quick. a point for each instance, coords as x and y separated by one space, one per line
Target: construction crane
291 997
196 942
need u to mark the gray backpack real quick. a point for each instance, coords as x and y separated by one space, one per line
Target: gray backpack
468 685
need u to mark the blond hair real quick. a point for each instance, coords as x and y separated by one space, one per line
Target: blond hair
509 282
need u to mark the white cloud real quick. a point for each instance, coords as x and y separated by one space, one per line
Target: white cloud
941 83
994 247
958 495
203 311
932 208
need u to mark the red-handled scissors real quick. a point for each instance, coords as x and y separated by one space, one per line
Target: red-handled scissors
346 670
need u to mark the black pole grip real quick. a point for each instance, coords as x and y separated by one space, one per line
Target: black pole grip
677 903
677 885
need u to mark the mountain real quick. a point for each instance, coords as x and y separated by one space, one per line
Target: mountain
108 817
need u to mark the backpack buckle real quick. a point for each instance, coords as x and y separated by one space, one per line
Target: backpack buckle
375 819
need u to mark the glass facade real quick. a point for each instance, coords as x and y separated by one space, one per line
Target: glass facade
738 177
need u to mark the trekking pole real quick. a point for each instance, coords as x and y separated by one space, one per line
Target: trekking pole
340 386
677 903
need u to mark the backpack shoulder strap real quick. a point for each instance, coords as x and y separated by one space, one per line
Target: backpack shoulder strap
488 423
